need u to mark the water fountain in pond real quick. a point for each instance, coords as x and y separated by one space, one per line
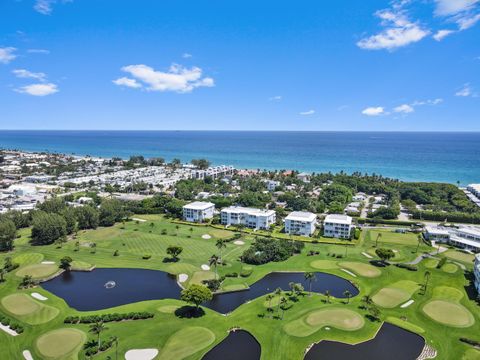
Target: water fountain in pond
110 284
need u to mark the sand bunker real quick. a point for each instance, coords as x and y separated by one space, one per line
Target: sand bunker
38 296
206 236
239 242
182 278
205 267
141 354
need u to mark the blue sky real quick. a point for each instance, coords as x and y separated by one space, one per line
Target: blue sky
240 65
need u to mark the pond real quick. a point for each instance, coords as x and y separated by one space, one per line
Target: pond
106 288
391 342
238 345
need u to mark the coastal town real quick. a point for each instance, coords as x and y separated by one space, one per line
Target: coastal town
65 203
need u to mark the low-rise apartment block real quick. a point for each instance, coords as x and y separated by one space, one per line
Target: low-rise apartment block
300 223
338 226
198 211
249 217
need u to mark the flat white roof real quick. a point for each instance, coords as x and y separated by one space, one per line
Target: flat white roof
249 211
436 231
470 231
199 205
338 219
301 216
472 243
476 187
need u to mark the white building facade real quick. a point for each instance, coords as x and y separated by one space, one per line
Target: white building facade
338 226
198 211
214 172
476 272
300 223
249 217
464 237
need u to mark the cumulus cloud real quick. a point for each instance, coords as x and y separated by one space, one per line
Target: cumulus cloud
441 34
427 102
306 113
124 81
398 31
465 91
38 89
373 111
25 74
7 54
452 7
404 109
177 79
467 21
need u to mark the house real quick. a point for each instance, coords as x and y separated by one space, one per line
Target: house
438 234
464 237
249 217
300 223
476 272
198 211
214 172
304 177
272 184
338 226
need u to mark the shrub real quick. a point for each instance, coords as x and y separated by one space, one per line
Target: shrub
89 319
246 273
232 275
146 257
266 250
409 267
442 262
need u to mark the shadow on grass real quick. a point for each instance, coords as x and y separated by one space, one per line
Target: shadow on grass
170 260
189 312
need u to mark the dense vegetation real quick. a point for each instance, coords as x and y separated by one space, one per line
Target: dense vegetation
266 250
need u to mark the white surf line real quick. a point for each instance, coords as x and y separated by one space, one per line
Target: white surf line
8 330
349 272
38 296
407 304
367 255
27 355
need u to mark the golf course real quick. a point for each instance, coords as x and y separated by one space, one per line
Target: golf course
438 304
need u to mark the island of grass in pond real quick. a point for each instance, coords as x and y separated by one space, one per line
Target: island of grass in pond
87 291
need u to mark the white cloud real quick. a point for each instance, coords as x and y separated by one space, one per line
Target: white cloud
275 98
44 6
38 89
307 113
404 109
374 111
38 51
399 31
452 7
25 74
177 79
465 91
124 81
7 54
427 102
441 34
467 21
187 56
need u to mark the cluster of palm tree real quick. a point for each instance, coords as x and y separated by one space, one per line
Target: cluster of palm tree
97 328
216 260
370 306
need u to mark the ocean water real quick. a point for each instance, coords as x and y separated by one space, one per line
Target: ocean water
411 156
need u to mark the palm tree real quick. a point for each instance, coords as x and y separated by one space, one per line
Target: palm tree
426 279
283 302
347 294
419 239
278 292
269 299
97 328
114 339
367 300
327 294
310 277
214 260
220 244
3 272
93 246
379 235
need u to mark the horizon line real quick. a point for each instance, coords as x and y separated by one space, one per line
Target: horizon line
234 130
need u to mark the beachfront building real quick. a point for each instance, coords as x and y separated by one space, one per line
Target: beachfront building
476 272
198 211
338 226
300 223
249 217
464 237
214 172
474 189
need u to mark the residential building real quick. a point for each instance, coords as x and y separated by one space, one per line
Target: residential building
304 177
338 226
198 211
300 223
437 234
476 272
474 189
249 217
465 237
272 185
214 172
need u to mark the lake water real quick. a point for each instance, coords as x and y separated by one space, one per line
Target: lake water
412 156
239 345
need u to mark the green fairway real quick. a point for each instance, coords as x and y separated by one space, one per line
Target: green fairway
391 237
395 294
339 318
38 271
324 264
80 265
361 269
450 268
25 308
186 342
60 344
459 255
28 258
168 309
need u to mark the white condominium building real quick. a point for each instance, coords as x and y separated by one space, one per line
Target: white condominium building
250 217
465 237
338 226
213 172
476 272
300 223
474 189
198 211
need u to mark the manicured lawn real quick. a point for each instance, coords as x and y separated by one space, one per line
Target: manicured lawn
38 271
304 321
459 256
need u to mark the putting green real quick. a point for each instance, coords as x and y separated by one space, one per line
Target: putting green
199 276
61 343
167 309
431 263
80 265
395 294
25 308
186 342
38 271
471 354
324 264
28 258
361 269
450 268
339 318
448 313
